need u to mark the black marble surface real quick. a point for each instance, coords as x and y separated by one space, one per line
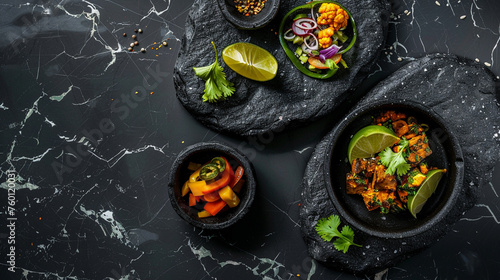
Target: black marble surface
90 156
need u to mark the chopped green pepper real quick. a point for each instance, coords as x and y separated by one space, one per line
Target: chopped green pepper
220 162
209 172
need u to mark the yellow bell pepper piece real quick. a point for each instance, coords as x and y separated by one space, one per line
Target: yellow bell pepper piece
197 187
185 189
229 196
204 214
195 176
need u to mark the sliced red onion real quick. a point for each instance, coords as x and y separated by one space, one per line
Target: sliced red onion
322 58
289 37
330 51
314 44
306 23
299 31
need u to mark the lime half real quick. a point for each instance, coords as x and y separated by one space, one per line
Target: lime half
370 140
416 202
250 61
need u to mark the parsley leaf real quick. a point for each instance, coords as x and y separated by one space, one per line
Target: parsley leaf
327 228
216 86
395 162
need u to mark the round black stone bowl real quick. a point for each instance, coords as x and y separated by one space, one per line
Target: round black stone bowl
240 21
446 153
201 153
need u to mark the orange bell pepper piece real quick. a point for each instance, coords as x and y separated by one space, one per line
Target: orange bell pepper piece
214 207
192 200
219 184
211 197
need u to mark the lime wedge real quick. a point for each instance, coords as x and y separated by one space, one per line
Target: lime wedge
250 61
416 202
370 140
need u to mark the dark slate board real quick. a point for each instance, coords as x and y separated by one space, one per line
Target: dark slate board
463 93
291 98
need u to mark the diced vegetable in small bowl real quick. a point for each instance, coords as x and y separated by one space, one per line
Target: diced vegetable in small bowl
314 37
211 185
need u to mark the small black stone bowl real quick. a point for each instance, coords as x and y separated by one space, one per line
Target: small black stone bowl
240 21
446 153
202 153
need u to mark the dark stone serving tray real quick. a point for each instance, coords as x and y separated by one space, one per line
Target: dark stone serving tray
291 98
463 93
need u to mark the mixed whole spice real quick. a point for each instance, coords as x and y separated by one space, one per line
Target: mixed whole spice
249 7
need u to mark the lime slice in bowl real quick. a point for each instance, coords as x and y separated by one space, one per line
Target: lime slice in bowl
370 140
416 202
250 61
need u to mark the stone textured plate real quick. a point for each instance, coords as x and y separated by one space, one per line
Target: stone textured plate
291 98
463 93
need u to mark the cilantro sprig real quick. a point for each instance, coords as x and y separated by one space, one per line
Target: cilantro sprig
327 228
216 86
395 162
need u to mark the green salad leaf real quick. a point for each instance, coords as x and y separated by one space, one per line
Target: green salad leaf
327 228
217 87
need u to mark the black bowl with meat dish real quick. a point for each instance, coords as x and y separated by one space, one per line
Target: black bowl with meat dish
201 153
252 21
446 153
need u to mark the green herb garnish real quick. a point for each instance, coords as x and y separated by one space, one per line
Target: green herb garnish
395 162
327 228
216 86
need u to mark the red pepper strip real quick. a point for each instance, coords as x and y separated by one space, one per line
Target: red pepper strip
231 172
237 176
192 200
219 184
211 197
214 207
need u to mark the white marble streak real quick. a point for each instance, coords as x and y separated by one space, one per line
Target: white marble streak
20 184
60 97
32 159
282 211
312 271
153 10
94 17
495 218
303 150
116 158
493 189
473 17
492 58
